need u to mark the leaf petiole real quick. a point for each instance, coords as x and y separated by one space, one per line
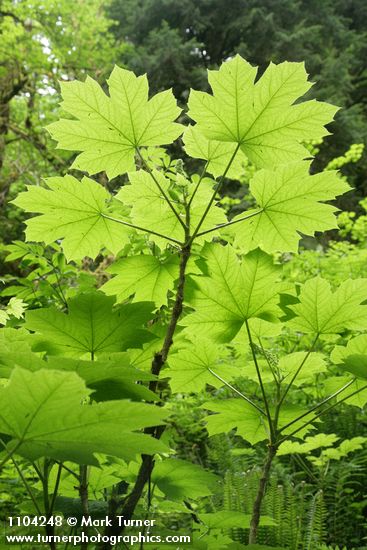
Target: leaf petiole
259 409
220 226
144 229
166 197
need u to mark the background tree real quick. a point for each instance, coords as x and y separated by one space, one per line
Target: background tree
176 42
42 43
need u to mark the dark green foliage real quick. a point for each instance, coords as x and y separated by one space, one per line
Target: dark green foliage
176 42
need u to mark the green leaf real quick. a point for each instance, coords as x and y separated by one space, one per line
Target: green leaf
311 443
229 519
289 198
261 117
108 129
72 210
313 365
150 209
114 379
325 312
180 480
286 368
16 307
235 413
4 317
146 277
356 364
217 153
98 479
91 327
352 357
249 423
11 338
231 292
43 414
189 367
335 383
346 446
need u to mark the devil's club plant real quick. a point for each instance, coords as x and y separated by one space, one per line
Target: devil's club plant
194 297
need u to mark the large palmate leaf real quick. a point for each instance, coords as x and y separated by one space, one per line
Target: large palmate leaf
351 385
72 210
355 346
113 379
109 129
262 118
322 311
353 356
180 480
288 198
147 277
249 424
150 209
43 414
217 153
190 367
91 327
231 293
287 366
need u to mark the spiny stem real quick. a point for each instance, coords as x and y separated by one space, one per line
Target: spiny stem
9 454
298 370
26 485
166 197
226 224
321 413
199 182
256 511
265 399
214 194
83 493
259 409
310 411
144 229
68 470
56 488
49 528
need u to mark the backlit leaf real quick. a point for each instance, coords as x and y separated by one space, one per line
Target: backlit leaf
108 129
